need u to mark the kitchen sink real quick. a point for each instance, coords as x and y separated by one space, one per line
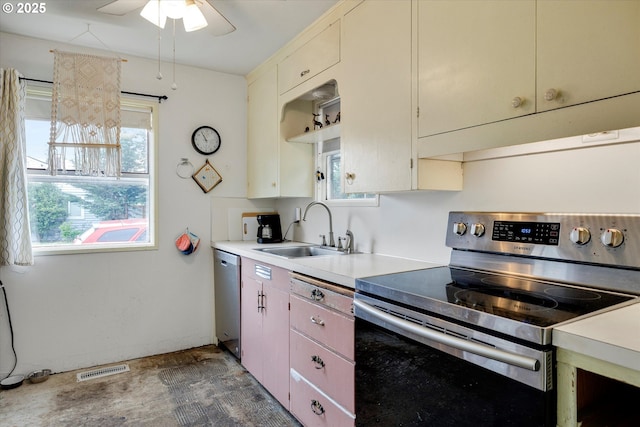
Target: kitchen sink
301 251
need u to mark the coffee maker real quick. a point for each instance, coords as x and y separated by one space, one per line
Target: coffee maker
269 229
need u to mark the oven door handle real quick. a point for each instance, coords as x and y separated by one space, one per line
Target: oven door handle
452 341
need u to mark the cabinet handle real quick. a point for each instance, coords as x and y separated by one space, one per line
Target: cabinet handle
304 73
517 102
318 322
260 301
317 295
318 361
316 407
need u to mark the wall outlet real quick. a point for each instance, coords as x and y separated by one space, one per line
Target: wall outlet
298 214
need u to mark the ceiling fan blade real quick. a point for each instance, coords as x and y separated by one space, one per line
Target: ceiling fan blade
121 7
218 24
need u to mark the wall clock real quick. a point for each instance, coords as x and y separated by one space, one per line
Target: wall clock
206 140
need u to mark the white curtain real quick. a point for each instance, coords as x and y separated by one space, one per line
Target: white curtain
85 114
15 233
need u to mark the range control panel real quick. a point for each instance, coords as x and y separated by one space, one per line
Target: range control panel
593 238
541 233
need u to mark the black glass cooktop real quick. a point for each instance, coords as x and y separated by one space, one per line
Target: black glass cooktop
525 300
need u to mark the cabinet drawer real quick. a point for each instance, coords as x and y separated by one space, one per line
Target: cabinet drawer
314 408
323 293
333 329
315 56
328 371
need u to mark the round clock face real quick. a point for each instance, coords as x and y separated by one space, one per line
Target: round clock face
206 140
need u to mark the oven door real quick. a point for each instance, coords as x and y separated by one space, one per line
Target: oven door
412 377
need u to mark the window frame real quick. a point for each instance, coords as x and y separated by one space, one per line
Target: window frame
151 177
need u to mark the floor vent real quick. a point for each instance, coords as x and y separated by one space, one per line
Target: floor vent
102 372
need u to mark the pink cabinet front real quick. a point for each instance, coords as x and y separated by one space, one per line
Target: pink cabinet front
314 408
325 369
333 329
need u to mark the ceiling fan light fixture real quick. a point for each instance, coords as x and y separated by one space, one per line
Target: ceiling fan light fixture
174 8
154 13
193 18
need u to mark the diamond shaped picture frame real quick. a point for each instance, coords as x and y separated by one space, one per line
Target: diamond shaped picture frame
207 177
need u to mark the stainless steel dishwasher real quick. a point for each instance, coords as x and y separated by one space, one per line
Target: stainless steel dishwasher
226 276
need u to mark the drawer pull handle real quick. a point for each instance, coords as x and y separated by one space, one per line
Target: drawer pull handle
304 73
317 295
318 322
318 362
316 407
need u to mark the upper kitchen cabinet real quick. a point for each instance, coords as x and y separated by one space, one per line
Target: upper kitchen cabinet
476 62
375 93
262 136
495 73
275 167
587 50
315 56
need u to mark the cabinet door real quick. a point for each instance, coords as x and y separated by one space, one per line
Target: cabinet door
587 50
375 94
474 59
251 326
262 136
315 56
275 330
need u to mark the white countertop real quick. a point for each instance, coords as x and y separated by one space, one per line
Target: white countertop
613 336
339 269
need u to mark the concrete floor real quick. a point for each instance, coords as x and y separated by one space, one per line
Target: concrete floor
204 386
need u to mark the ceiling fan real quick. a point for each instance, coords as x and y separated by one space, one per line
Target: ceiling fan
218 25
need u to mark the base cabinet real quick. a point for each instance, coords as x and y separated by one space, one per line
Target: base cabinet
322 374
265 326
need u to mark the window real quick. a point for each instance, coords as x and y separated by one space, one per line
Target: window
72 213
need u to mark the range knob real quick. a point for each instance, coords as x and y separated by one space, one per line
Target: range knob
477 229
580 235
459 228
612 237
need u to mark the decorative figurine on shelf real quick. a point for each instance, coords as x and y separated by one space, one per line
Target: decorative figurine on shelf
316 123
326 120
337 120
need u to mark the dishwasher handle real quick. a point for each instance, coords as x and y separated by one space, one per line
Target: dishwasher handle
452 341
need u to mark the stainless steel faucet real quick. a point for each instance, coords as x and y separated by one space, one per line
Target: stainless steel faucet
332 242
349 246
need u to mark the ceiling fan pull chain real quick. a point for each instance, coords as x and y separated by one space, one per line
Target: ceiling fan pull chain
174 86
159 75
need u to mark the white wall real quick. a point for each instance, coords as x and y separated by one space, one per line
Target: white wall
73 311
600 179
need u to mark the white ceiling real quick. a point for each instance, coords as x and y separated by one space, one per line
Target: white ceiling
262 27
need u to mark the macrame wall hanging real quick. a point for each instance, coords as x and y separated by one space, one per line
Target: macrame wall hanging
85 114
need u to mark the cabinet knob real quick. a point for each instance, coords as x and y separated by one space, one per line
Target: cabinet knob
304 73
349 177
517 102
273 184
550 94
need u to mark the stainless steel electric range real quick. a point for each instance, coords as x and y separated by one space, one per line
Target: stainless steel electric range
470 343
